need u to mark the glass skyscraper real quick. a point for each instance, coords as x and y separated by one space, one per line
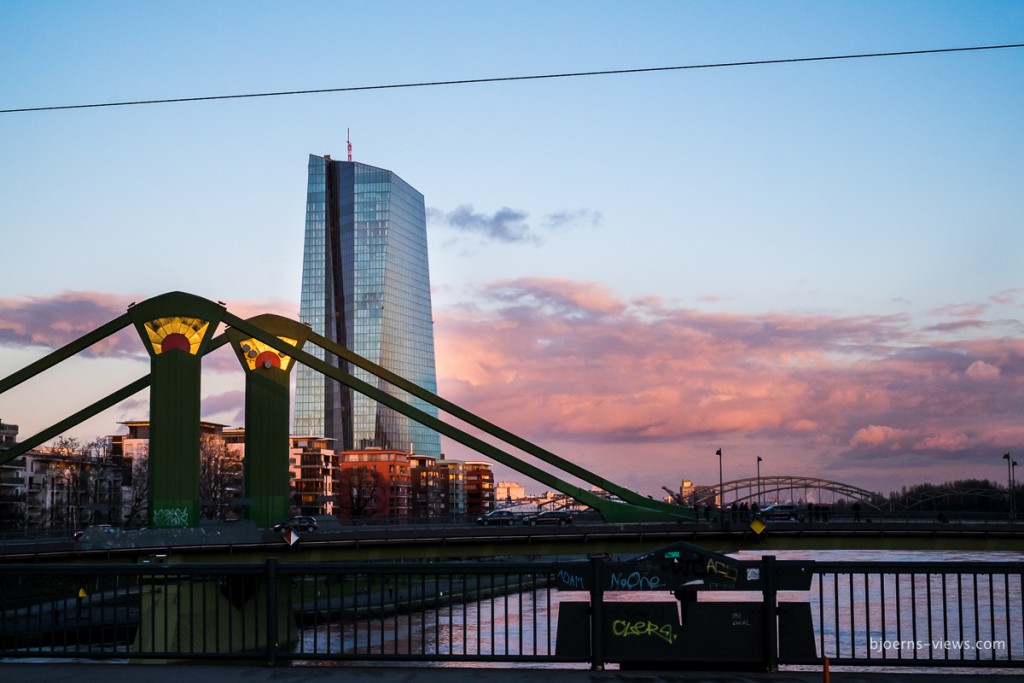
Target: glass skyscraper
366 286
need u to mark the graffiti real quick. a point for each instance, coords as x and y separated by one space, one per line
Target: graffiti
722 569
170 517
570 580
739 620
624 628
635 582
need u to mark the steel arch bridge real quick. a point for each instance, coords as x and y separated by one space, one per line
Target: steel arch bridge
784 489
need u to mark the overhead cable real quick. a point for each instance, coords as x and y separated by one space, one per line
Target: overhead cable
506 79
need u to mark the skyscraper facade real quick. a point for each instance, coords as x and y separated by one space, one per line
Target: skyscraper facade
366 286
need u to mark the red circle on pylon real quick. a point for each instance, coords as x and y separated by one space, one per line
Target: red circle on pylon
175 340
268 356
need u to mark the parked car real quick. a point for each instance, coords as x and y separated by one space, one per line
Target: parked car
301 523
559 517
587 515
781 513
94 530
498 517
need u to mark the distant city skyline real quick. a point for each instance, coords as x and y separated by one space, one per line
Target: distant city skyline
819 264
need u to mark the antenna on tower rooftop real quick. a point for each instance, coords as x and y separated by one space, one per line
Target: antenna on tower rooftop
348 135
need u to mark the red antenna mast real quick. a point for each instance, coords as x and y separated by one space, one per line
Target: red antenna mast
348 134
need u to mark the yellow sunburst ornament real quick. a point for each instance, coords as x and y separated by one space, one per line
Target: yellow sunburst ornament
176 333
260 355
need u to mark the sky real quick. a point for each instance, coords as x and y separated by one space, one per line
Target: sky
818 263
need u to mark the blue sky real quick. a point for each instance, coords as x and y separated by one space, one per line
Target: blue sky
846 223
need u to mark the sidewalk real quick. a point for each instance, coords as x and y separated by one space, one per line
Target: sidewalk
79 672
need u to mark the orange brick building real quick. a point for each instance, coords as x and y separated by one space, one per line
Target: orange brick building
374 483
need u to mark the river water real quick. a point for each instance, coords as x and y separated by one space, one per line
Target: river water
525 624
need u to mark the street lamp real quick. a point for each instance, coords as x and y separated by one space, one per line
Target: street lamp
1013 491
759 481
721 488
1009 482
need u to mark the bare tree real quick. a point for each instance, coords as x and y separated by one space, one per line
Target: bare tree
66 445
64 481
138 487
220 476
97 449
359 491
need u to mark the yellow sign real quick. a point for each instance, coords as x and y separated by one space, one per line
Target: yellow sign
758 526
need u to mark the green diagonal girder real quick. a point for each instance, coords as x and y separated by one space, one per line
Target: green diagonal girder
64 352
611 510
52 359
77 418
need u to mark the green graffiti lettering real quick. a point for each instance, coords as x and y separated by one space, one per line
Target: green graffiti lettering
624 628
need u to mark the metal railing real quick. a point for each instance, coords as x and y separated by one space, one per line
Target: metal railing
353 611
920 613
916 614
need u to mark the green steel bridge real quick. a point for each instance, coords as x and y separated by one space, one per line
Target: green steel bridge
178 330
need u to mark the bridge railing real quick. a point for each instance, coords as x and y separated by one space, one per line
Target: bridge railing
918 614
474 611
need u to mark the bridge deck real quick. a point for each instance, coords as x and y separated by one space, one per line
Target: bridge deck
235 544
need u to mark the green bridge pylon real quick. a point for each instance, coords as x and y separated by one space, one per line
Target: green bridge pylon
178 330
267 408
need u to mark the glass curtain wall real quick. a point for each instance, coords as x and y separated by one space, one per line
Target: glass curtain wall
373 286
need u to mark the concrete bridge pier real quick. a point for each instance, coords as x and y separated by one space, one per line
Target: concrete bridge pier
202 615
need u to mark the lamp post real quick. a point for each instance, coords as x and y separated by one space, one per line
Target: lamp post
1013 491
721 488
759 481
1010 483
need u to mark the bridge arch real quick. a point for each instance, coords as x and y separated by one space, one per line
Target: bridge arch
786 489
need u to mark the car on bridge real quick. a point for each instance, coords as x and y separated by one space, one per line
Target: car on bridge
498 517
95 530
776 513
300 523
559 517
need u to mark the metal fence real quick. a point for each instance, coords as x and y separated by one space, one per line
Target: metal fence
919 614
864 614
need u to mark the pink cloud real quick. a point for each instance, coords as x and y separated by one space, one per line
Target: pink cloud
957 325
557 294
963 310
569 362
982 371
877 435
57 320
643 390
1009 297
229 406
